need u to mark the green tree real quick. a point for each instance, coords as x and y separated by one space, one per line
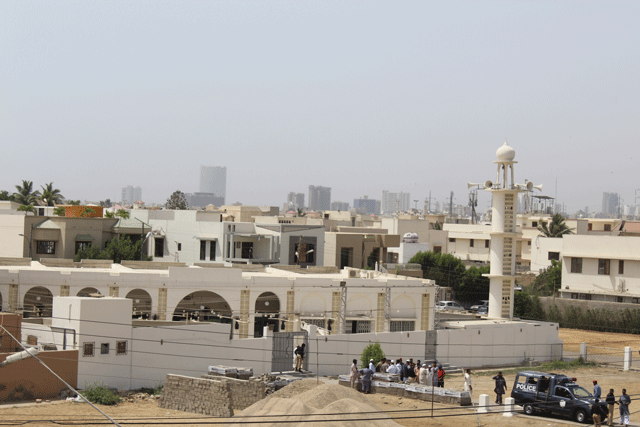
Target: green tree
51 196
4 195
557 227
177 200
26 208
109 215
72 202
437 225
25 194
122 213
116 250
474 285
549 281
87 211
105 203
372 351
528 307
445 269
59 211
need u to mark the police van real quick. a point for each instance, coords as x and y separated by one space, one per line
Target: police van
557 394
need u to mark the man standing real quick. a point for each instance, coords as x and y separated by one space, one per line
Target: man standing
384 365
353 375
599 413
367 374
299 357
501 387
441 375
400 367
624 402
467 381
392 369
597 391
611 402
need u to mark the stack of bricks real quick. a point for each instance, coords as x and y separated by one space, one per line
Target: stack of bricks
210 395
197 395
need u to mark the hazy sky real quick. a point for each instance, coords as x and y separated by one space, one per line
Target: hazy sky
360 96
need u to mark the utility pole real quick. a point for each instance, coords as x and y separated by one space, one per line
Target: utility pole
451 205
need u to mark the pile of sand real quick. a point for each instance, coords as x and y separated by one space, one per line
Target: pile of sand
306 400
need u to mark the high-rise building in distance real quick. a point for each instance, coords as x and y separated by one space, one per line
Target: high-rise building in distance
365 205
295 200
610 203
395 202
131 194
319 198
340 206
213 180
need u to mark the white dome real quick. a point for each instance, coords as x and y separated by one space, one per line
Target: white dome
505 153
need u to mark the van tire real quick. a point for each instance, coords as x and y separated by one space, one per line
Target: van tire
528 409
580 416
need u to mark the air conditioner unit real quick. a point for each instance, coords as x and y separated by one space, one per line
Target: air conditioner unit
353 274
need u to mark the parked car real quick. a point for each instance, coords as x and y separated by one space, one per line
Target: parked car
449 305
483 303
483 310
558 394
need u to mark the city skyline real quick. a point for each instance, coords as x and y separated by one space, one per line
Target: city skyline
105 94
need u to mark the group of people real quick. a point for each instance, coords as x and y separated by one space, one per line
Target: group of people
417 372
600 413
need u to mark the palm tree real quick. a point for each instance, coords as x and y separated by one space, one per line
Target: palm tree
122 214
25 194
51 196
4 195
557 227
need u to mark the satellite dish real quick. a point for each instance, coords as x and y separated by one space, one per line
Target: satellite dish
488 184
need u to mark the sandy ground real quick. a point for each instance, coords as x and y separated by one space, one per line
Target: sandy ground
412 413
573 337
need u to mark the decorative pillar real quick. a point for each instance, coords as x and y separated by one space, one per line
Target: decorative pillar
291 295
162 304
426 313
244 313
380 313
13 298
114 291
64 290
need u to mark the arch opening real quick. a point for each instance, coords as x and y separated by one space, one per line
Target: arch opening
38 302
266 313
203 306
141 304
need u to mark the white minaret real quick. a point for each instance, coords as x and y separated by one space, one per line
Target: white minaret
503 235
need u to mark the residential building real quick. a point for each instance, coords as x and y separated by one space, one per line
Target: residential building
295 201
357 247
367 206
395 202
130 195
213 180
319 198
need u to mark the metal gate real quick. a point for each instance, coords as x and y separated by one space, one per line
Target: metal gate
284 343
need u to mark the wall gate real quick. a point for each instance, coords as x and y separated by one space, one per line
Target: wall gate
284 343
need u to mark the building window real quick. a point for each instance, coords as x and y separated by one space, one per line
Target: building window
104 348
346 257
159 247
45 247
534 223
586 297
554 256
179 246
121 348
82 246
604 266
619 299
452 240
590 227
212 250
88 349
203 250
437 249
486 244
575 296
607 227
576 265
402 326
621 267
471 243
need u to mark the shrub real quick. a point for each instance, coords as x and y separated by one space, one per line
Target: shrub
97 393
372 351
